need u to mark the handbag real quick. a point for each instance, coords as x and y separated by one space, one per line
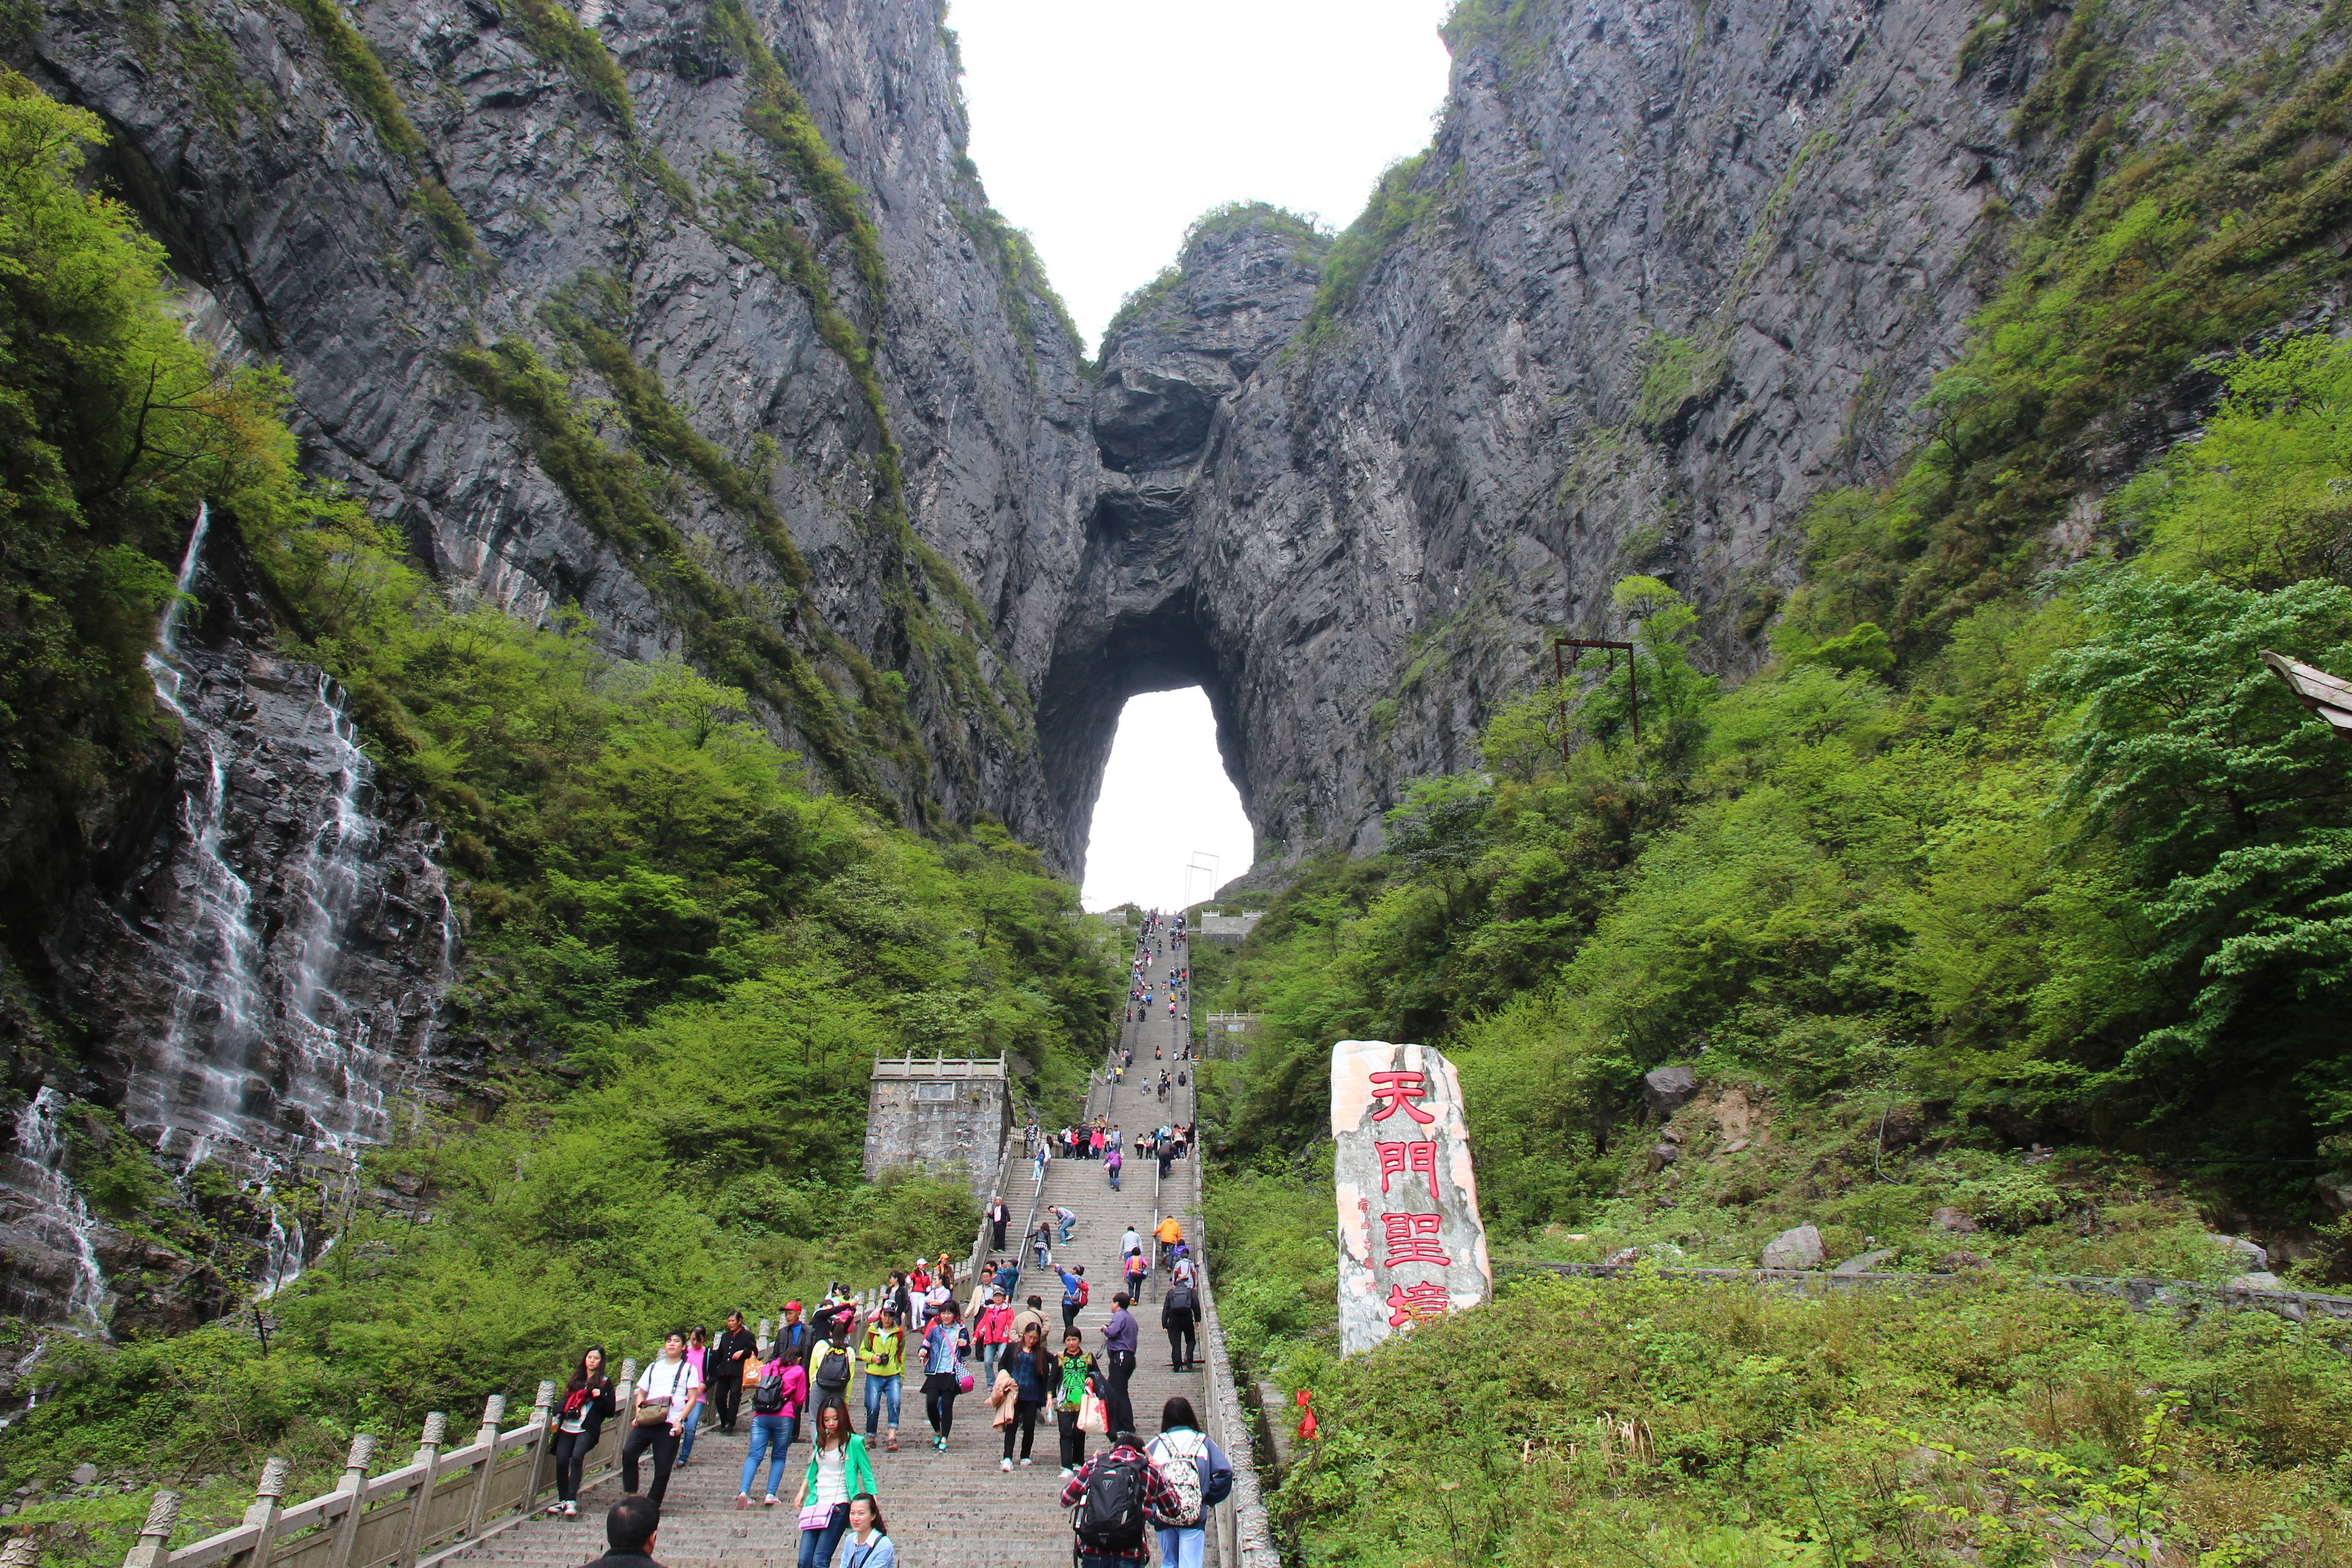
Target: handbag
1093 1416
817 1515
963 1382
655 1414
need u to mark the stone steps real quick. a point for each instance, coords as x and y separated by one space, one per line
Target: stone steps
956 1509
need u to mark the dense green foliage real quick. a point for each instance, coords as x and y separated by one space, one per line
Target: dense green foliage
1649 1423
1991 854
112 426
679 962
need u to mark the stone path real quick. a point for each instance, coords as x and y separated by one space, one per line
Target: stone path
956 1509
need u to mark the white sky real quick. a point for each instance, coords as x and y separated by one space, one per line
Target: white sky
1104 128
1165 798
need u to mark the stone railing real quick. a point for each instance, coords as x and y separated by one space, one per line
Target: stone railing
1245 1536
2141 1294
438 1502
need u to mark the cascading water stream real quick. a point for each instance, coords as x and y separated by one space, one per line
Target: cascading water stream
210 1036
40 1158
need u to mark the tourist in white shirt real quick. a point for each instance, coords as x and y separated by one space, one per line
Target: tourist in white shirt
671 1386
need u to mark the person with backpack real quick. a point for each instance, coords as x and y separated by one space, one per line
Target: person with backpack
1074 1294
776 1401
666 1391
723 1370
1114 1500
838 1470
1026 1367
1180 1314
587 1401
1168 1233
1137 1271
946 1343
883 1352
1070 1377
1113 1160
830 1363
1200 1475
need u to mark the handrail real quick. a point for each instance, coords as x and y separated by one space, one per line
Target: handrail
431 1505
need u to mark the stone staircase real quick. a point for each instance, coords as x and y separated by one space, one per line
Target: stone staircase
959 1508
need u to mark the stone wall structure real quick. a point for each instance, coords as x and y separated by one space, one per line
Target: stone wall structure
938 1115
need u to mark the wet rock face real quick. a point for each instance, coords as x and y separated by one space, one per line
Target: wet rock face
260 982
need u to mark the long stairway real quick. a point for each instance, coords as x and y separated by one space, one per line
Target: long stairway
956 1509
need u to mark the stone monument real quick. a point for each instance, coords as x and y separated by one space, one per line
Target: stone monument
1411 1245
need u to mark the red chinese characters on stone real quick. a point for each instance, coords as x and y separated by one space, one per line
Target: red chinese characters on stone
1409 1158
1413 1238
1397 1091
1410 1303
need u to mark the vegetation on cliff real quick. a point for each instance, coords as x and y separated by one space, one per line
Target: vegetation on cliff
679 959
2002 918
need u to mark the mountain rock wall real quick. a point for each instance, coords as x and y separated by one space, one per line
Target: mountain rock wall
1667 272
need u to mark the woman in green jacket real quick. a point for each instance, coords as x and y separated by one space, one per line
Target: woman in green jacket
838 1470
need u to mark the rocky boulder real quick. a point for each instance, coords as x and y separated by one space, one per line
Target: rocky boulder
1868 1263
1798 1247
2250 1256
1953 1220
1665 1090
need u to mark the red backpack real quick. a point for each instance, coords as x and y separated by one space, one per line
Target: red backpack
1082 1292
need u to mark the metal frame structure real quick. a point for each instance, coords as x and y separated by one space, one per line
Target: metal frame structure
1559 676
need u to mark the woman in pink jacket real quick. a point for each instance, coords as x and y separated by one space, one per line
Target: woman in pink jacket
993 1330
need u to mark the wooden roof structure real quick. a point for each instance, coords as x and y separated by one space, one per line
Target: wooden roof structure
2321 692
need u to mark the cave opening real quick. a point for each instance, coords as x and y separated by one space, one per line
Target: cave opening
1140 676
1168 828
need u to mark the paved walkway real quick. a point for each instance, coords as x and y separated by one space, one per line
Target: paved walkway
956 1509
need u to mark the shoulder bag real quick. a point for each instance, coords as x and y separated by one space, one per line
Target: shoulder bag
655 1414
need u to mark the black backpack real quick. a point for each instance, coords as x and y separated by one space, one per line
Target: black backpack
1110 1514
833 1368
1176 1307
768 1394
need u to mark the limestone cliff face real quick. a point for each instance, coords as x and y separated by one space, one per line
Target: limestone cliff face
632 173
1668 271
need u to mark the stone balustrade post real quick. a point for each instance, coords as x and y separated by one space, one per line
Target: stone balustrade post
268 1502
486 1438
355 1487
153 1549
543 1443
767 1339
420 1501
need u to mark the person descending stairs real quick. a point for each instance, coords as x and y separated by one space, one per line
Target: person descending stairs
960 1508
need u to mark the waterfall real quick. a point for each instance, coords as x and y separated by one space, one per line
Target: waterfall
58 1210
336 1076
214 963
265 979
